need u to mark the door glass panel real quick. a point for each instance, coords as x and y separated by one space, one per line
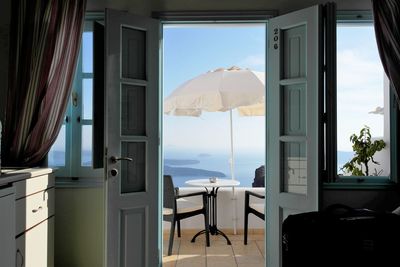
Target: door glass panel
294 167
294 52
86 154
133 172
87 52
56 156
87 100
294 110
133 53
133 110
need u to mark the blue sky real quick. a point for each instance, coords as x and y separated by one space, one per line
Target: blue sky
192 50
359 83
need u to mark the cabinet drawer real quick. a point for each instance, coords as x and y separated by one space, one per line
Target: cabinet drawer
34 209
33 185
35 247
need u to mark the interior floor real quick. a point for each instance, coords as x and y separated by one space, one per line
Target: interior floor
219 254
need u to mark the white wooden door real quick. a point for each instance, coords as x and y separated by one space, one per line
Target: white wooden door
132 140
292 122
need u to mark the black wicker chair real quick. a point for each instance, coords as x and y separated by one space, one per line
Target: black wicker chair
173 213
256 209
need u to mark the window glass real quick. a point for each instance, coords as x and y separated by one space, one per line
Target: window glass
87 98
362 97
86 154
56 156
87 52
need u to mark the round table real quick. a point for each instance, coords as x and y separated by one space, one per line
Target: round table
212 202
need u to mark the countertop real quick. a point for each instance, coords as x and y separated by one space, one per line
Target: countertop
13 175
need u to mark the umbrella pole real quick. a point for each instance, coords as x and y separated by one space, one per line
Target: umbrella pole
232 174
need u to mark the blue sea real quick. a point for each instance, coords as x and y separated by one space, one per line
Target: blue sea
244 168
187 165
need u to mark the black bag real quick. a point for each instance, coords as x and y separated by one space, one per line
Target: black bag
341 236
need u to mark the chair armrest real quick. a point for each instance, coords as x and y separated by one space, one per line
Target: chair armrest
192 194
248 193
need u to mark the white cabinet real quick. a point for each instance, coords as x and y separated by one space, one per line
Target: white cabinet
7 226
33 246
34 207
27 218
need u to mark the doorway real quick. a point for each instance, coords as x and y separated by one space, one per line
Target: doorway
199 147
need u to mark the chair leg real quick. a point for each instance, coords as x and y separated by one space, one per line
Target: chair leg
246 226
171 237
179 228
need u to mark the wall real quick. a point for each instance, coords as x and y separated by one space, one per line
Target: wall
79 227
283 6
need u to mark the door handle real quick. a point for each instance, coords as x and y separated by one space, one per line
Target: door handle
116 159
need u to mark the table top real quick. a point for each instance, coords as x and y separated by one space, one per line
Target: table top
218 183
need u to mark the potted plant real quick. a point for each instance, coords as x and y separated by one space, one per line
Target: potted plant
364 151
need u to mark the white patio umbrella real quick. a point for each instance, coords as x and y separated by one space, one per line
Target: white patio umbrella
220 90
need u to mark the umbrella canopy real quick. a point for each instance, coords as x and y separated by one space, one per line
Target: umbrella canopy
219 90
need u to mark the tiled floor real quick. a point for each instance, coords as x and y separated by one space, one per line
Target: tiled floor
219 254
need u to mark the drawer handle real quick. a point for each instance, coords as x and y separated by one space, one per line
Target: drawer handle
36 210
22 257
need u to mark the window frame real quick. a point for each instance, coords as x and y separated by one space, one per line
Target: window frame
331 179
73 126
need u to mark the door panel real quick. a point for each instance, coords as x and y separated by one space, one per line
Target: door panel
293 121
133 239
294 42
132 134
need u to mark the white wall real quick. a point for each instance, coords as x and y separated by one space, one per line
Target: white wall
79 227
225 209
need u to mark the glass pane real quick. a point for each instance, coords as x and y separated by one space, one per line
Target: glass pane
56 155
86 155
294 168
133 53
87 99
362 97
133 174
133 110
87 52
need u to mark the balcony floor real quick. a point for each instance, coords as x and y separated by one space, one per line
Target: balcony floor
219 254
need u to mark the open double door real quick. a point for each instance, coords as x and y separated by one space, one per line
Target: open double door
132 132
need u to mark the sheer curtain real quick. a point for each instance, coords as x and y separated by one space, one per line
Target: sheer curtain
387 31
45 37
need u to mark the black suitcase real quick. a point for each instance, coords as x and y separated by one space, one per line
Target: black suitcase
341 236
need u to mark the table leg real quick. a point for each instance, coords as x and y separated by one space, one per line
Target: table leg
212 209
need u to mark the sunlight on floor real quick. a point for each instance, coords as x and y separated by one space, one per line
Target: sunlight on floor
219 254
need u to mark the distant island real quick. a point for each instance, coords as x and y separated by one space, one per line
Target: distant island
203 155
180 162
185 171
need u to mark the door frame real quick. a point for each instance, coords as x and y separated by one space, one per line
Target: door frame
205 17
